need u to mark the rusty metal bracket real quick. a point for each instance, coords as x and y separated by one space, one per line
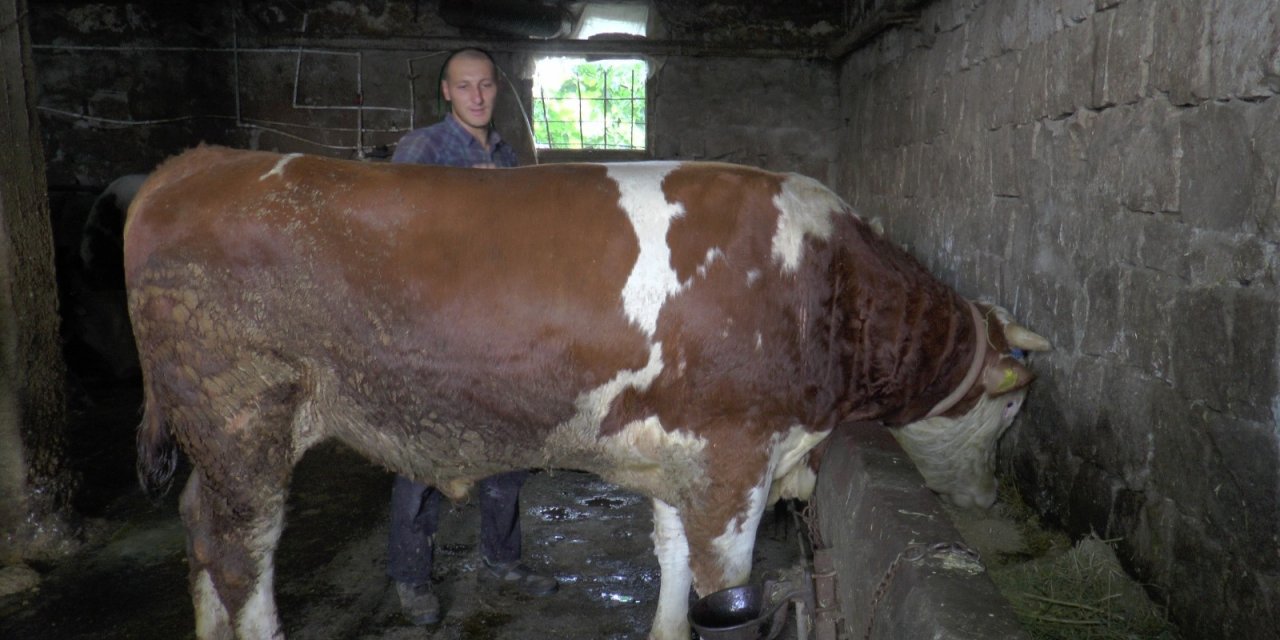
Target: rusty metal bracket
822 579
826 611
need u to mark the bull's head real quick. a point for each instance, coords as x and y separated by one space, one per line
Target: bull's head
954 448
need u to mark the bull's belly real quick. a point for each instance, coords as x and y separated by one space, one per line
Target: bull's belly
452 457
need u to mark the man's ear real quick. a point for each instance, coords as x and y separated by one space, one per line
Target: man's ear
1007 374
444 91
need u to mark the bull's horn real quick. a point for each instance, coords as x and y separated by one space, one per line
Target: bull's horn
1025 339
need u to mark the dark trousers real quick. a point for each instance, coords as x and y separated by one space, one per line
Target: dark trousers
415 515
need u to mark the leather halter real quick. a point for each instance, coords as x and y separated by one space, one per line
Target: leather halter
979 354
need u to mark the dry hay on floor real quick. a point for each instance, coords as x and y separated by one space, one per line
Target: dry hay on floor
1081 593
1059 591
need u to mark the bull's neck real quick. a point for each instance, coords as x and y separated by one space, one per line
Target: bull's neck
975 367
927 373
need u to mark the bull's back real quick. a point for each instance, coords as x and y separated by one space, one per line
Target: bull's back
411 303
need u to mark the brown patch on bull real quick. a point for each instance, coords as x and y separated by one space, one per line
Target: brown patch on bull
718 202
740 298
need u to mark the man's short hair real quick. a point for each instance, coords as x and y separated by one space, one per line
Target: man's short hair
467 53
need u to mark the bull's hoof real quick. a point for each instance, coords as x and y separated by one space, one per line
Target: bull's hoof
418 603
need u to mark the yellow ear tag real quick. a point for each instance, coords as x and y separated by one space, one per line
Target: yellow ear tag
1009 381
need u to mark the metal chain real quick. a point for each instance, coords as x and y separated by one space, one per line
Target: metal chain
810 518
912 553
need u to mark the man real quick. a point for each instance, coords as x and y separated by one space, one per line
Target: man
465 138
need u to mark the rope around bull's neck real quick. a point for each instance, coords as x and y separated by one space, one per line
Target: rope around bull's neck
979 354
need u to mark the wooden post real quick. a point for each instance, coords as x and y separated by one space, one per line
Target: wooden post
35 487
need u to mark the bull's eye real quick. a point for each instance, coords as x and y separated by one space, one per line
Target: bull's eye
1010 409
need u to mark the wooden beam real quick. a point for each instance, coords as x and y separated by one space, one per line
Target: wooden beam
864 31
644 47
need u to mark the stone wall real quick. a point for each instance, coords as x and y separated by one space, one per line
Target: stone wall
776 114
1108 170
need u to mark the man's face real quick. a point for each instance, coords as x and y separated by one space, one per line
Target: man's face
470 87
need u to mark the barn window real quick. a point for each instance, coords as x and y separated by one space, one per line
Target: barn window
594 104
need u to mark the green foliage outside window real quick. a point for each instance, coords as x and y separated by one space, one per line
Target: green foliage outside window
591 105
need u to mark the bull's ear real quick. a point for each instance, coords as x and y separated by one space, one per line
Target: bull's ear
1006 375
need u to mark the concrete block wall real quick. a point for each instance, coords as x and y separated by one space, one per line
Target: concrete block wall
1110 171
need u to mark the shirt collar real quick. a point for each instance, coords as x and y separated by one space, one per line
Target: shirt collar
494 138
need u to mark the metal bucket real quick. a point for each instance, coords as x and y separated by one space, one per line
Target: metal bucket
739 613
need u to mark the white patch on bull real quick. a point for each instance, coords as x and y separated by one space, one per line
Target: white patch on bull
804 208
956 456
733 547
309 420
759 341
212 619
278 170
643 456
752 276
670 621
652 279
713 254
258 617
798 483
792 477
594 404
644 447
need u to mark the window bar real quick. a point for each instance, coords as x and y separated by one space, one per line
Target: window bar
606 107
582 133
546 124
631 140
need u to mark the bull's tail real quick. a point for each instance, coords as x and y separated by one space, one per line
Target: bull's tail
157 453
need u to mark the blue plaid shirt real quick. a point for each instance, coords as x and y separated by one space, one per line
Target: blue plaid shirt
447 143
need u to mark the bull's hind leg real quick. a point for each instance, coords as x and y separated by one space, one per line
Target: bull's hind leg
231 564
233 508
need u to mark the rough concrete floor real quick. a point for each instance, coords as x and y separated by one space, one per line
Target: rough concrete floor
330 583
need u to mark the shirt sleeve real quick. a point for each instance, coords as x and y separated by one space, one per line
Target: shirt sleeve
416 148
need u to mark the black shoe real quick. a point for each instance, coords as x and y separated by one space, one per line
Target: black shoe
518 576
418 603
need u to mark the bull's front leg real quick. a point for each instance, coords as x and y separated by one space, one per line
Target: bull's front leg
671 621
708 549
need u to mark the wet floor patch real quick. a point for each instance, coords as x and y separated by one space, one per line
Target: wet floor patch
330 579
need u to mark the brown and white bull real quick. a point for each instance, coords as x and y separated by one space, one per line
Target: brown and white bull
688 331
